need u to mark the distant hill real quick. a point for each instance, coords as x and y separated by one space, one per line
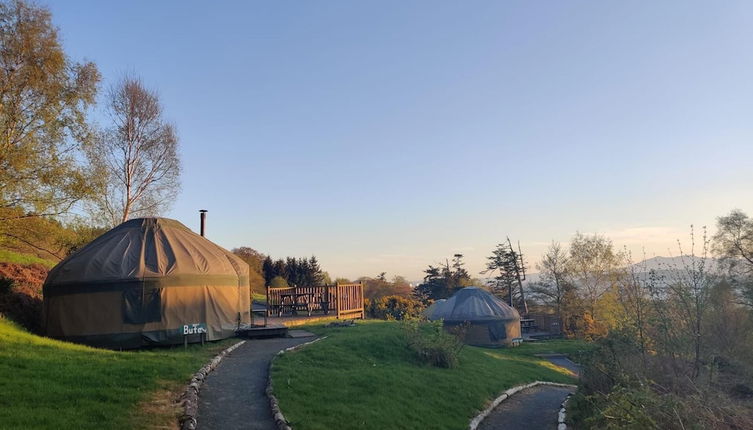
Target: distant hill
662 266
667 263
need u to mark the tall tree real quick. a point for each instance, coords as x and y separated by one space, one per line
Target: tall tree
138 155
443 281
552 285
593 267
44 97
733 244
507 264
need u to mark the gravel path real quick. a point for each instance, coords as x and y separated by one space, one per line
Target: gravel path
233 395
532 409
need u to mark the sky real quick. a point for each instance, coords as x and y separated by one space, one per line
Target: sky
384 136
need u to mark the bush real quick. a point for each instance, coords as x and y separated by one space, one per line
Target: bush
431 343
278 282
393 308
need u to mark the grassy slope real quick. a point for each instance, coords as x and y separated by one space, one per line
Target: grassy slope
365 377
47 384
18 258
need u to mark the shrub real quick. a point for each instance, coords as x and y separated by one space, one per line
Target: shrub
393 308
431 343
278 282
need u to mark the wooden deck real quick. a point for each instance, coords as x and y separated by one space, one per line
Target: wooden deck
297 306
343 301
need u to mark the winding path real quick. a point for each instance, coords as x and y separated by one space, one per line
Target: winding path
533 408
233 395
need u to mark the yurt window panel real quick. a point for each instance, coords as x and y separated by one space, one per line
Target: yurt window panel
142 305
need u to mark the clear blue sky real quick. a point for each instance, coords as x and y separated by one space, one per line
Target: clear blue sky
388 135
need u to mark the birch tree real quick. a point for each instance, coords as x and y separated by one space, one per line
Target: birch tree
138 156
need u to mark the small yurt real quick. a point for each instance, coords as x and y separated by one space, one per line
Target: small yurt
491 321
430 309
148 281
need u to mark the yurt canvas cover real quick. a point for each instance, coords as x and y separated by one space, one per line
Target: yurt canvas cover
491 322
147 281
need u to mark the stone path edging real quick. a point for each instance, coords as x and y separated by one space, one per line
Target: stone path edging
504 396
189 400
280 421
563 412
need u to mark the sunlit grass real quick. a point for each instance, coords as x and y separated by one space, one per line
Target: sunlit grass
48 384
366 377
7 256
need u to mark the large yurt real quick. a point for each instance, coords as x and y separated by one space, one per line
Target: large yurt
490 321
148 281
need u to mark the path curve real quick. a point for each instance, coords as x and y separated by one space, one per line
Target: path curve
232 396
530 409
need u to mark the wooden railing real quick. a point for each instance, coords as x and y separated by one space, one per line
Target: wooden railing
349 300
344 300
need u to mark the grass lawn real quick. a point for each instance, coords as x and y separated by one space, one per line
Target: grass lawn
18 258
47 384
364 377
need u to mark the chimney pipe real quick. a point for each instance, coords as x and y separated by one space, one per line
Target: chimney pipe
203 215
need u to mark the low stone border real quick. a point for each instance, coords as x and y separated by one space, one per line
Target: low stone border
563 412
280 421
189 400
480 417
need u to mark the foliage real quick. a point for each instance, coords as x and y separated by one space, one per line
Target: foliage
374 288
553 285
393 307
136 158
255 261
370 362
45 237
49 384
593 268
443 281
679 355
296 271
431 343
509 269
733 244
25 259
278 282
581 285
44 98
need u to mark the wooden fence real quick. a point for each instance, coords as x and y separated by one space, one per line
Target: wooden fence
342 300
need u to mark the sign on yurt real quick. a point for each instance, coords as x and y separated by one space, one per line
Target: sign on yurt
148 281
490 321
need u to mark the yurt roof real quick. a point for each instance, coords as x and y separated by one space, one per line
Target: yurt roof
472 304
145 248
